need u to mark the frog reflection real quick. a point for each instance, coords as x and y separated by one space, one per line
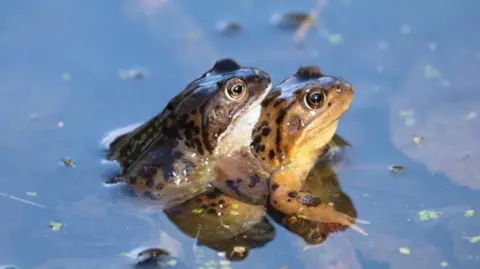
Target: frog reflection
223 223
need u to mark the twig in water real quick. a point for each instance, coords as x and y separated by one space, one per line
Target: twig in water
22 200
307 24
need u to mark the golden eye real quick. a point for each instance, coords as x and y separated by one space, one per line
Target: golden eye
315 98
235 89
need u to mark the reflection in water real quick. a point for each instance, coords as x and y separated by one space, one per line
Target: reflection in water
225 224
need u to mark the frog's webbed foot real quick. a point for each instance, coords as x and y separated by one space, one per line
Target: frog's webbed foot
290 201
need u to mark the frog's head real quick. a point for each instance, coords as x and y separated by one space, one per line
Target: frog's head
223 106
299 117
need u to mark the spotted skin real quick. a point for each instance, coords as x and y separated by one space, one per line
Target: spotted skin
299 118
168 157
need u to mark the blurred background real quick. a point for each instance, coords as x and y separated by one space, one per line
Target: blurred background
70 71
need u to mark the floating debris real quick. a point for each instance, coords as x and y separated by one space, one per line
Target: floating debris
418 139
193 35
396 168
409 122
228 27
289 20
432 46
132 73
335 39
406 113
68 162
429 71
469 213
405 29
408 116
30 193
60 124
428 215
55 225
66 76
472 115
238 253
474 239
151 255
444 264
404 250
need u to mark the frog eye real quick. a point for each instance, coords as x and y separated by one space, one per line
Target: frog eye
315 98
235 89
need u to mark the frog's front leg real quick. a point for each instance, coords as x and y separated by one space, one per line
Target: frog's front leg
241 176
287 196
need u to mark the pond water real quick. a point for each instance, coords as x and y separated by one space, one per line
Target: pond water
64 75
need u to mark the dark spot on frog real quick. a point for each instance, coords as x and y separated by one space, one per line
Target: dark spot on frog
150 183
198 200
221 202
213 195
230 183
196 130
159 186
266 131
278 102
275 186
310 200
177 154
132 181
199 146
213 204
292 194
189 144
254 179
260 148
238 180
271 154
289 200
169 106
329 104
204 207
280 116
256 140
212 211
188 134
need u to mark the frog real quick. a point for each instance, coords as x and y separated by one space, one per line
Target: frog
169 157
298 120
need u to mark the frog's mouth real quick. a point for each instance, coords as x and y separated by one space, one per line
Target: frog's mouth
240 130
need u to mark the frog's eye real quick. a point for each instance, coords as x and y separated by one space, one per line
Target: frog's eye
235 89
315 98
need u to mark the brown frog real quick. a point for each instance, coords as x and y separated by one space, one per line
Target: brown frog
299 117
169 158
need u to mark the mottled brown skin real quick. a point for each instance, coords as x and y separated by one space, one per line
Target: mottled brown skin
168 158
298 120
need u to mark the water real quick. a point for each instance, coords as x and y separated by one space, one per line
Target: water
61 62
